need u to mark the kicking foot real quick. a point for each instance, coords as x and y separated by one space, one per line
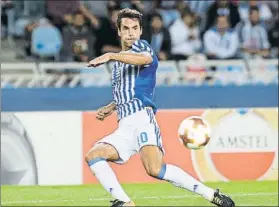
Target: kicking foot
222 200
117 203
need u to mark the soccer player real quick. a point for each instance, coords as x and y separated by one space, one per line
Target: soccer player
133 83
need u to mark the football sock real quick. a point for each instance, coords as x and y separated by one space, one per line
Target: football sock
181 179
108 179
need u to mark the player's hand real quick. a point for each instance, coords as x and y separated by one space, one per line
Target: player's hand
99 60
104 112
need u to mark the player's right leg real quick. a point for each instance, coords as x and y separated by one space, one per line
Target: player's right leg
97 159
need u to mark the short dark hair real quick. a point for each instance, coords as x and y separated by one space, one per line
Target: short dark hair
156 14
186 12
129 13
253 8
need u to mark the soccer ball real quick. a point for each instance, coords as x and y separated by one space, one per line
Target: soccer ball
194 132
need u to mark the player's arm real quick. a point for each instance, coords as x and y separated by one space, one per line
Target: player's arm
128 58
132 58
140 54
105 111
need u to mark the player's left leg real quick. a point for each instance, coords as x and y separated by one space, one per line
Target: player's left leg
152 159
151 151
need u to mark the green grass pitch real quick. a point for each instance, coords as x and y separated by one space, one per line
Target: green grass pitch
264 193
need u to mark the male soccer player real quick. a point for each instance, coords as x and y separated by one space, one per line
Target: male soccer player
133 82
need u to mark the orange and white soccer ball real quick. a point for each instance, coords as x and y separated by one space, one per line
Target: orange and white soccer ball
194 132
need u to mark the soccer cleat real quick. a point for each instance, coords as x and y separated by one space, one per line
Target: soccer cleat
222 200
117 203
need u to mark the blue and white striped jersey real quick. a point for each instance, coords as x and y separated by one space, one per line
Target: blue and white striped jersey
134 86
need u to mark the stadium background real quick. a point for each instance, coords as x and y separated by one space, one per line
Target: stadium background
48 105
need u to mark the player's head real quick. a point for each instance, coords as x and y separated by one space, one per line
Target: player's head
129 25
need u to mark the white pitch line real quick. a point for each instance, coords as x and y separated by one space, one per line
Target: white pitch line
134 198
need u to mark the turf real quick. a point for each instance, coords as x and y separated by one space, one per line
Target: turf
263 193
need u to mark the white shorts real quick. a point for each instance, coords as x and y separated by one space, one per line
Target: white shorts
134 132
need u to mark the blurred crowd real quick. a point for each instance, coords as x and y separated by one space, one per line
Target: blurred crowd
81 30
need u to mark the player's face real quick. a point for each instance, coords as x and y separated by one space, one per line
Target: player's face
129 31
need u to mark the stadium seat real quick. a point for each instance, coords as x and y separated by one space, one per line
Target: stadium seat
46 41
167 73
193 70
96 77
268 74
231 75
8 85
20 25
